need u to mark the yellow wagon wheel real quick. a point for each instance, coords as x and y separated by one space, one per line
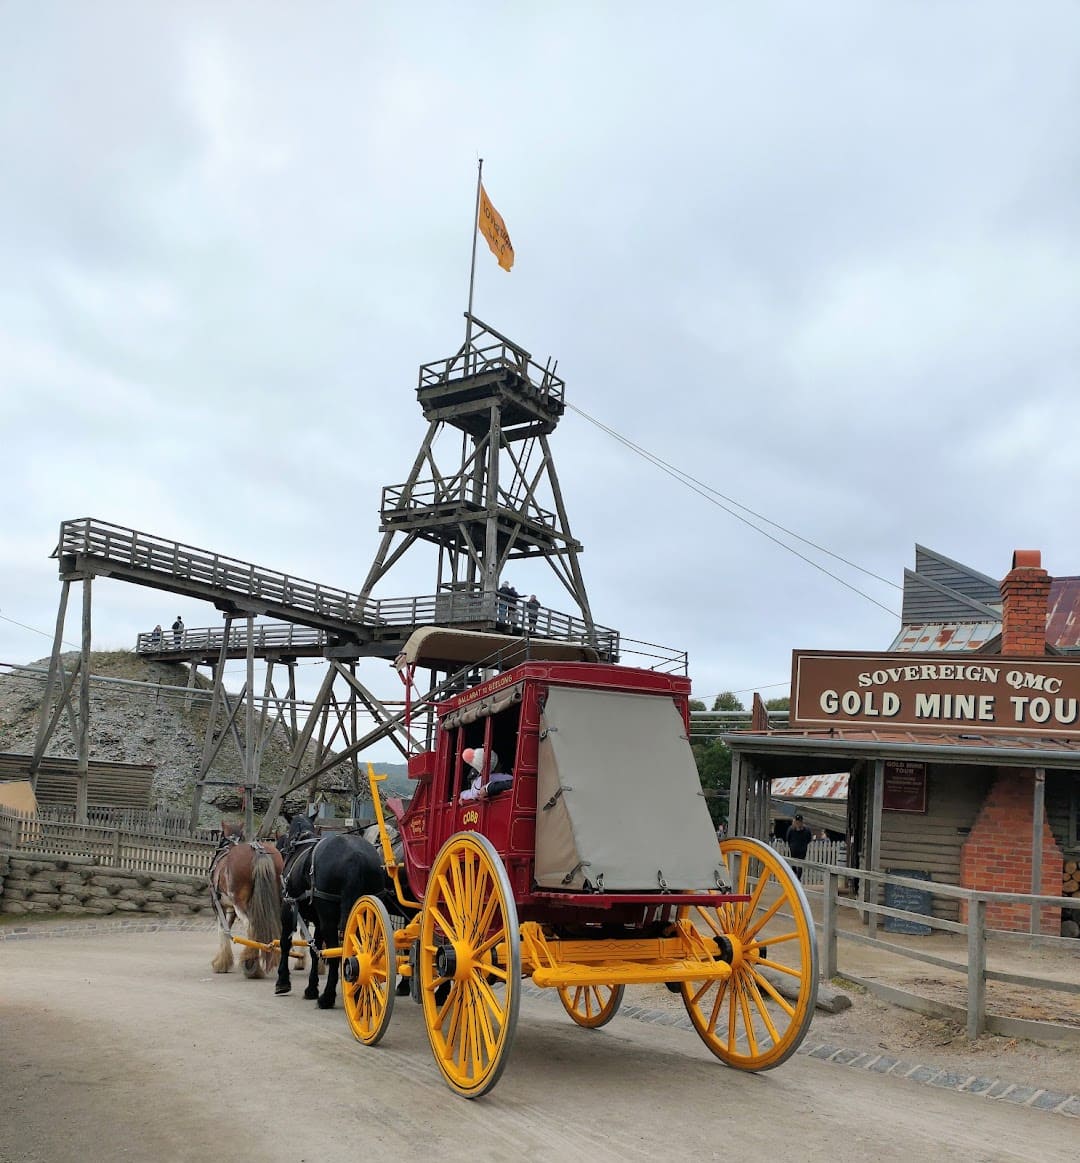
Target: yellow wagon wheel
756 1018
470 963
368 970
592 1006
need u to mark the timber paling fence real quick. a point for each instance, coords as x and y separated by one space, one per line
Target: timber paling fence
133 849
143 821
973 967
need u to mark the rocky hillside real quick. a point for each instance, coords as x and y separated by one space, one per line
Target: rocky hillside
141 712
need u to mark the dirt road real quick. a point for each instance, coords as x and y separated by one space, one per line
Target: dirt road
126 1046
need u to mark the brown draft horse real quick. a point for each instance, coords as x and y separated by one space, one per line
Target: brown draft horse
245 882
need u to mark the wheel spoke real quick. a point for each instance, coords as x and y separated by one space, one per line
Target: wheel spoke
733 1011
442 922
779 967
755 898
763 920
483 924
752 985
704 989
748 1024
765 984
718 1004
495 938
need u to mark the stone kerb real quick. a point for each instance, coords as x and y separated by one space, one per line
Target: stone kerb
76 885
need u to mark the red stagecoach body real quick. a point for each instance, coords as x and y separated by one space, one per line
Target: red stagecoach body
505 715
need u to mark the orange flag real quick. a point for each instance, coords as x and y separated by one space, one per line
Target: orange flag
493 229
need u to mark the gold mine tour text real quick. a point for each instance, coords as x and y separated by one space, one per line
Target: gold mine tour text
1041 701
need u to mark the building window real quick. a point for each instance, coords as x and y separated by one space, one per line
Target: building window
1074 814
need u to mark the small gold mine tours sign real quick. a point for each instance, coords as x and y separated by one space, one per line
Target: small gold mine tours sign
1038 696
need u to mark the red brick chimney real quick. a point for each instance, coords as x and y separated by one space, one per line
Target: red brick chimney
996 856
1025 593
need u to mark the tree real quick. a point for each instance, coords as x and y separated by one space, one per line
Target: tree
713 759
726 701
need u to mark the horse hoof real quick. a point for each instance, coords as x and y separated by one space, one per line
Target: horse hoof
311 994
279 988
326 1003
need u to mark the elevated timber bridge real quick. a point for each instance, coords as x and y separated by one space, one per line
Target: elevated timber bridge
345 625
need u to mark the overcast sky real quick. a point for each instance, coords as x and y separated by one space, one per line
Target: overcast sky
824 258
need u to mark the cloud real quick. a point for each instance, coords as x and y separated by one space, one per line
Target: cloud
824 260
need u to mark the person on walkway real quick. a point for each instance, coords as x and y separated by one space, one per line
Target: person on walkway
502 606
507 604
177 632
512 604
798 841
155 637
533 608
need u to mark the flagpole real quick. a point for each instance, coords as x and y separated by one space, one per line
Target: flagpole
472 267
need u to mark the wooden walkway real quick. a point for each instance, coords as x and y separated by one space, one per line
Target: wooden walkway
342 623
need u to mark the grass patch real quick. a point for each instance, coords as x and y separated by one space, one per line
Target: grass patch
845 983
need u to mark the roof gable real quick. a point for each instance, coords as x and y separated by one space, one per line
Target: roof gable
926 599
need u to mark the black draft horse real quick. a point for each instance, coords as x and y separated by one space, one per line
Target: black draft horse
323 878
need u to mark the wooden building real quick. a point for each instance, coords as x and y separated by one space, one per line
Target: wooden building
962 741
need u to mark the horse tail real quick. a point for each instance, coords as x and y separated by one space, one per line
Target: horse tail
264 912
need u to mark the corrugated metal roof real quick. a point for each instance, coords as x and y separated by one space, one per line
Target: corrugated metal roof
1063 613
936 738
931 637
955 595
816 787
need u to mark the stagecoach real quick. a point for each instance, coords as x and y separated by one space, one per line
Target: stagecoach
597 868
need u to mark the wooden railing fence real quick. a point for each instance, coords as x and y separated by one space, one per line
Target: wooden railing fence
118 847
973 966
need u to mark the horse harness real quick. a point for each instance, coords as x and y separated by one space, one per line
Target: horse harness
304 847
225 845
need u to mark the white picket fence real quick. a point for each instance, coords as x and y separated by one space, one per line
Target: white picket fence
820 852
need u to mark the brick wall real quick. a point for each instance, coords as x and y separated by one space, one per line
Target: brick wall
996 856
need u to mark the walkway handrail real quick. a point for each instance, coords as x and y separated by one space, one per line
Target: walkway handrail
157 558
143 551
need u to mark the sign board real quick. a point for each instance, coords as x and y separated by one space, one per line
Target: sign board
905 786
977 693
911 900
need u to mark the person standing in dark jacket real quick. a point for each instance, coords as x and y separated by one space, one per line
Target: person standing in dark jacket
798 841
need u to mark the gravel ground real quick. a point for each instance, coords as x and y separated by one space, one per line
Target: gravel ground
866 1031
